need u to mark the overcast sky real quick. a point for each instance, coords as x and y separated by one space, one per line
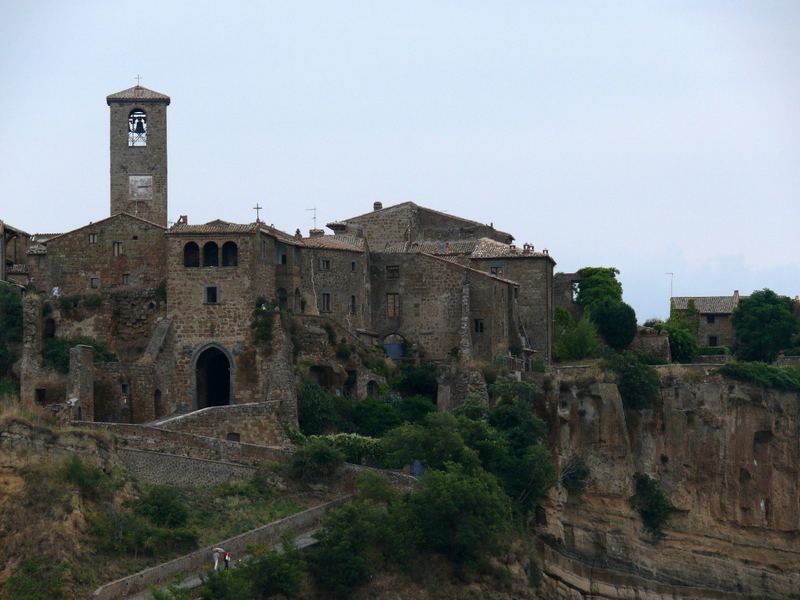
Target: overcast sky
651 136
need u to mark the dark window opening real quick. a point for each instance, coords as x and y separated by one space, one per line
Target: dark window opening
158 405
41 395
49 329
326 302
210 254
95 283
392 272
230 254
126 389
233 437
372 389
118 249
351 385
353 266
352 305
281 254
137 128
211 295
712 340
283 299
324 264
191 255
126 278
478 325
710 319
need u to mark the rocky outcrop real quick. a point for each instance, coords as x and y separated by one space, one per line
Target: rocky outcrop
727 455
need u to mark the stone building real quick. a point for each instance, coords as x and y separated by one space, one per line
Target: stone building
14 245
176 305
713 316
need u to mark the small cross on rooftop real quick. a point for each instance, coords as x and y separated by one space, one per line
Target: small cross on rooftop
138 79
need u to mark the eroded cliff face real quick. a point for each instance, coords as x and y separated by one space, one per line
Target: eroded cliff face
727 455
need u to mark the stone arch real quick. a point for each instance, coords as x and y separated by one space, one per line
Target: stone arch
393 345
283 299
191 255
230 254
210 254
372 389
213 371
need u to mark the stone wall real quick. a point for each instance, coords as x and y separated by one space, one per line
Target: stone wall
181 471
253 423
652 342
347 278
73 259
721 328
191 563
563 289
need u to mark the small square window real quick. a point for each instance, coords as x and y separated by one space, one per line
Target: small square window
324 264
126 389
41 395
710 319
92 238
95 283
478 325
392 272
326 302
496 270
126 278
117 248
211 295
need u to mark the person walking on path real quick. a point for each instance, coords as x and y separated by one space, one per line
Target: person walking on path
227 560
215 555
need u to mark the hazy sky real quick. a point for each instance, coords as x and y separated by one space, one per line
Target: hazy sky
651 136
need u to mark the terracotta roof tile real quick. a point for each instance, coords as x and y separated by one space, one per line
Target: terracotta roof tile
216 226
138 94
708 304
36 249
335 242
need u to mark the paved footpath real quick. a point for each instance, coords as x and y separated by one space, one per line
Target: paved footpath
303 540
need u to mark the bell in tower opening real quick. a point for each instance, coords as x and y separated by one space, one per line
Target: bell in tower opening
137 128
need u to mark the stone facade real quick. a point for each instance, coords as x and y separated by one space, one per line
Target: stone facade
711 315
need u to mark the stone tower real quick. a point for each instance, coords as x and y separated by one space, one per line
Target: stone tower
139 153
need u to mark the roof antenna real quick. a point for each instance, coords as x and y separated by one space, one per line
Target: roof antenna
315 215
138 79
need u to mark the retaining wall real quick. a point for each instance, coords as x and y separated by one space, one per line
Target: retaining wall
181 471
192 563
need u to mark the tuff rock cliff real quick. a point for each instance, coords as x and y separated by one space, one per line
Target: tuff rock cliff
727 455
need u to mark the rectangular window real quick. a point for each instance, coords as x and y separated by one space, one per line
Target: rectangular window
211 295
392 305
126 278
117 248
712 340
95 283
92 238
326 302
324 264
498 271
392 272
126 388
41 395
352 305
353 266
710 319
478 325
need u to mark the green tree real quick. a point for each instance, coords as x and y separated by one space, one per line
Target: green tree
616 322
316 459
651 503
272 572
315 408
682 342
374 417
596 284
764 325
574 341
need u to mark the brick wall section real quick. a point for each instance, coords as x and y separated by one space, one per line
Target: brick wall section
255 423
181 471
141 160
191 563
72 261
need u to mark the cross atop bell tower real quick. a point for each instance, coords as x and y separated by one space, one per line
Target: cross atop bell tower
139 153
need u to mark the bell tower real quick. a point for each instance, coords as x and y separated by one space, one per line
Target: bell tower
139 153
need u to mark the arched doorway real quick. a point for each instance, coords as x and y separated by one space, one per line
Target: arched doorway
212 378
393 345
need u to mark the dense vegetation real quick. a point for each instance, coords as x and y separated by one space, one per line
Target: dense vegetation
55 352
764 324
759 373
10 335
638 382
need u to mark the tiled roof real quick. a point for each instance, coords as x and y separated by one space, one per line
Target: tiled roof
9 227
471 269
707 304
138 94
444 248
216 226
335 242
286 238
41 238
94 225
473 248
36 249
488 248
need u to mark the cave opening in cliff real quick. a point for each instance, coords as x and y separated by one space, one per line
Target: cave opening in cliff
213 378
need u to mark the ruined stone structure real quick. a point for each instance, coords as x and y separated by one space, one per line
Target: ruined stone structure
176 304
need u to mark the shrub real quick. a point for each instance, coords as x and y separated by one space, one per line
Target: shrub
682 342
163 505
10 314
331 333
462 515
576 341
226 585
357 449
173 592
261 322
270 572
417 381
713 350
343 351
650 502
129 533
616 322
373 417
91 481
92 301
55 352
779 378
413 409
574 475
8 386
315 408
315 460
36 581
638 382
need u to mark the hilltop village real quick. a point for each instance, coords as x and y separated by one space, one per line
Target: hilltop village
175 304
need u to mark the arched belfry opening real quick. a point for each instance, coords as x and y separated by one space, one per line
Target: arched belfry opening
212 378
137 128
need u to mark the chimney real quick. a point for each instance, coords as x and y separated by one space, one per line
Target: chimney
337 227
298 235
377 206
735 297
183 220
316 232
